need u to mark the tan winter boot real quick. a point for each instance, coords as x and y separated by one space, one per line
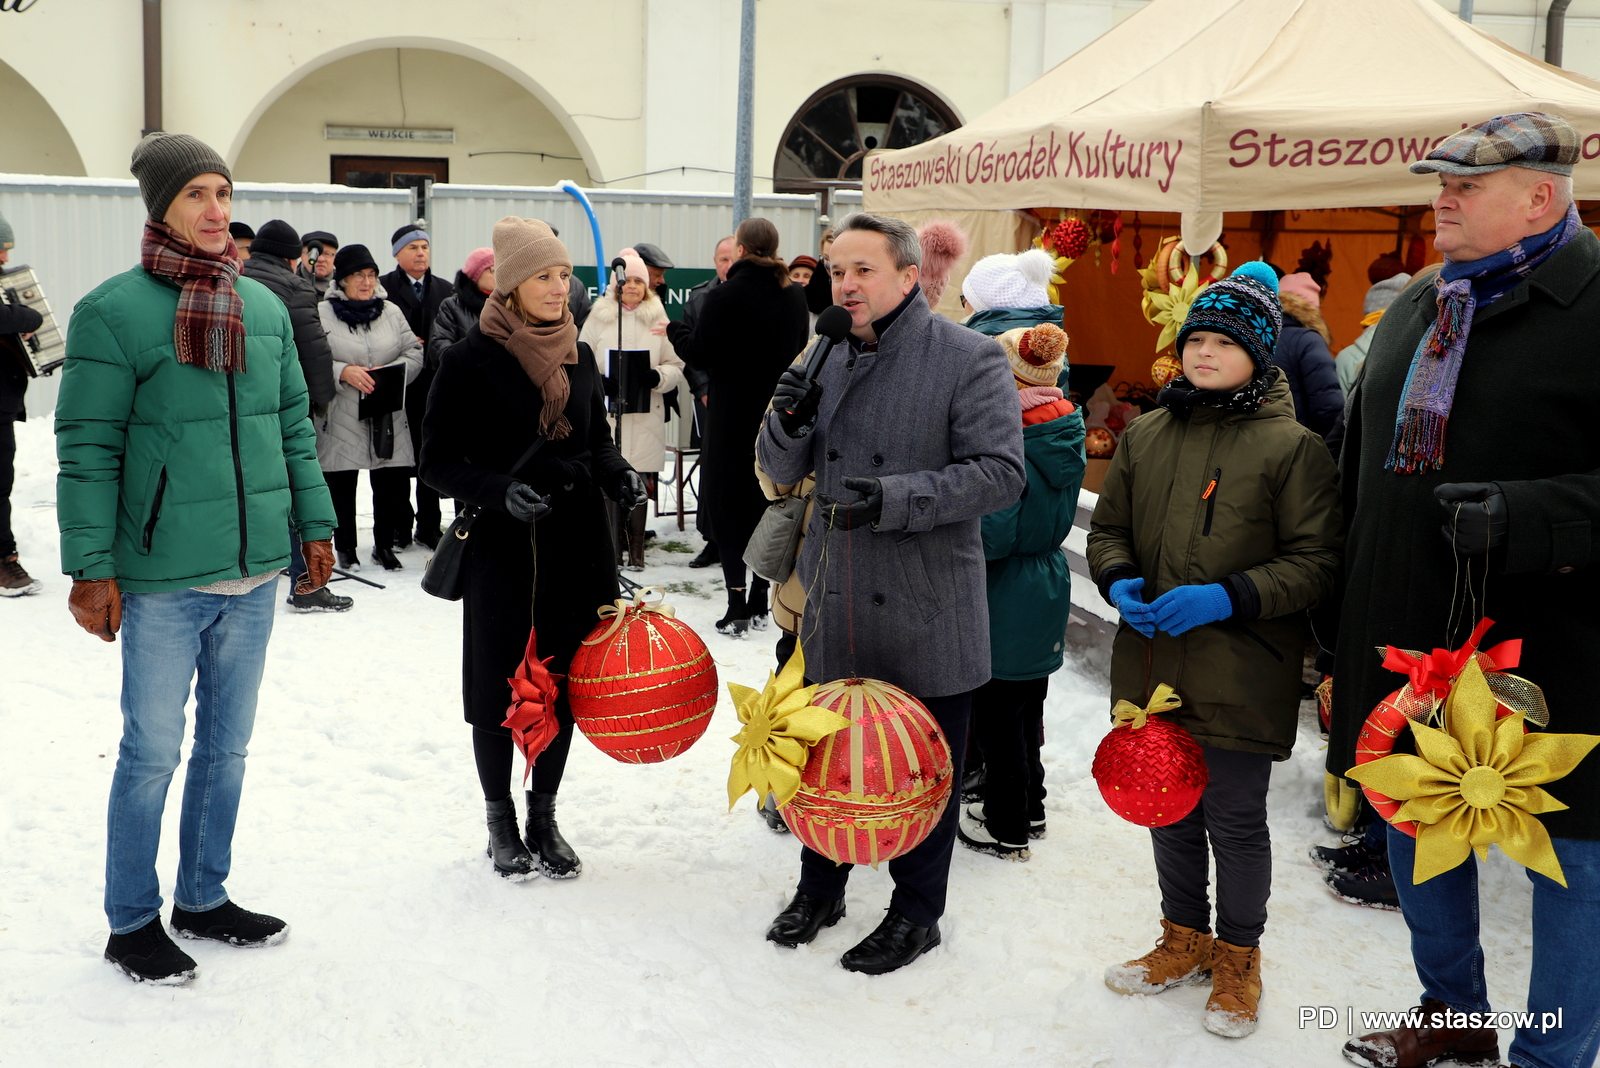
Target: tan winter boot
1235 989
1183 955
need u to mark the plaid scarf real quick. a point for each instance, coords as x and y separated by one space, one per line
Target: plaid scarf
1462 288
209 331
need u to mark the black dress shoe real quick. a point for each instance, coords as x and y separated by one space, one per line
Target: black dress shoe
805 916
383 555
896 943
402 538
429 538
707 557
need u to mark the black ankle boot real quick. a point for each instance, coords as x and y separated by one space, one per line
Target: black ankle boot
896 943
805 915
511 858
737 621
756 604
556 858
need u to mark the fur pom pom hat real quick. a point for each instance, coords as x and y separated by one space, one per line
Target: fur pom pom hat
1037 354
1244 306
1009 281
943 245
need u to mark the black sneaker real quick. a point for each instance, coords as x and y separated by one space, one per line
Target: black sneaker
231 924
149 955
14 581
323 600
1372 888
1348 859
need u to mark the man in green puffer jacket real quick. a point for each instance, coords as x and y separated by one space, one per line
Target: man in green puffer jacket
1217 527
186 447
1030 601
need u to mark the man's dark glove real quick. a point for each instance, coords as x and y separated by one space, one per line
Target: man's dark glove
525 504
842 516
795 402
97 606
631 490
1475 516
319 565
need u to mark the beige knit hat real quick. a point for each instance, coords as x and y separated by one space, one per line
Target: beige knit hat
1037 354
523 248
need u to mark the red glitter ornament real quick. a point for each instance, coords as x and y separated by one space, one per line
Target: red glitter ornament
1150 771
1070 238
873 791
642 685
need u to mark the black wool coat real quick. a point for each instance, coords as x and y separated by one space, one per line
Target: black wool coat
421 316
1523 417
457 314
482 415
746 331
15 319
310 339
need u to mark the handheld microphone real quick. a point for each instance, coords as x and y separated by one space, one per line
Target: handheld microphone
832 325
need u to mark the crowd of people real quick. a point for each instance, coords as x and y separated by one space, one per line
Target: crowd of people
1278 499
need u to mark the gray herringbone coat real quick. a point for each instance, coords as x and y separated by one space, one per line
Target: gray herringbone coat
934 415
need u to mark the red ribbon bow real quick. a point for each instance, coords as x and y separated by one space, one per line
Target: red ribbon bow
532 715
1435 672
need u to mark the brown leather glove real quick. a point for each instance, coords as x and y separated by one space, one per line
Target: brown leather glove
319 565
97 606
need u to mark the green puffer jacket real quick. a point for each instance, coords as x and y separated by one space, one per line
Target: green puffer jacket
1269 528
1029 584
173 476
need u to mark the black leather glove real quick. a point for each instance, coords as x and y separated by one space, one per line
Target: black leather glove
796 402
525 504
631 490
866 511
1475 516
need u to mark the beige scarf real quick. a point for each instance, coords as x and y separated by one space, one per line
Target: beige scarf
541 349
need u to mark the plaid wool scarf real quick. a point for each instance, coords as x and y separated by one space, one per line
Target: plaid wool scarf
209 331
1462 288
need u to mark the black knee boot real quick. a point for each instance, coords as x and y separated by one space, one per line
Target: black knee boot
511 858
555 857
737 621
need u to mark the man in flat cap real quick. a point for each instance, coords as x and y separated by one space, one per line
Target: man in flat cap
1471 477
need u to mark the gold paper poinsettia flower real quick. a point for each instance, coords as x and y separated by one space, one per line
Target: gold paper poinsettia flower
1477 783
780 727
1168 310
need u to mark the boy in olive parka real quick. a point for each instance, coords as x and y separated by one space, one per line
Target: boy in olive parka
1218 526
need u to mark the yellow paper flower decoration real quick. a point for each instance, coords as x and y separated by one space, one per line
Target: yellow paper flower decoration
1168 310
1476 783
780 727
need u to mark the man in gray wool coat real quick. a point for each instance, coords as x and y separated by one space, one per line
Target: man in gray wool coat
914 431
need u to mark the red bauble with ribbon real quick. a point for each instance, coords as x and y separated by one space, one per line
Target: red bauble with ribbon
1429 677
642 685
875 790
1149 770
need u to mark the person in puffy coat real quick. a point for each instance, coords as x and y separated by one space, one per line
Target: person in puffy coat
275 251
1217 527
460 310
1305 355
1030 601
643 325
365 331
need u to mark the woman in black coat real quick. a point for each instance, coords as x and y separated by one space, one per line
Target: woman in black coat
747 331
485 409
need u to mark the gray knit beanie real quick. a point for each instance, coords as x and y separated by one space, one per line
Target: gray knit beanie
8 239
164 163
523 248
1382 294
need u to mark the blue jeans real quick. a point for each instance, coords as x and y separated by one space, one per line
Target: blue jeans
1442 914
167 639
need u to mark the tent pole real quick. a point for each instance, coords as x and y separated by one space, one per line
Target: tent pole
1465 10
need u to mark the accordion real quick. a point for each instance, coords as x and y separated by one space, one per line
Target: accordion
46 349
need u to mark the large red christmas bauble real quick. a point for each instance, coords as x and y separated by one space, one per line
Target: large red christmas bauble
1153 775
642 688
873 791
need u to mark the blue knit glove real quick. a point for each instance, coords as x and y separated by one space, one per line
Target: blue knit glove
1126 598
1188 607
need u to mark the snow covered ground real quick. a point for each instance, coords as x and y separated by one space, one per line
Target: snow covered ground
362 824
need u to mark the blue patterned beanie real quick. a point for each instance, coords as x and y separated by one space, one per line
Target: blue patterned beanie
1244 306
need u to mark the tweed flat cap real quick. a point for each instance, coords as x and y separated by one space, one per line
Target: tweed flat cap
1527 139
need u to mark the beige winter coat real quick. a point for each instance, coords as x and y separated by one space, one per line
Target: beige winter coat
344 442
644 435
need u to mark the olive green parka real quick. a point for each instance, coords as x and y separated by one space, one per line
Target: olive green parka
1248 499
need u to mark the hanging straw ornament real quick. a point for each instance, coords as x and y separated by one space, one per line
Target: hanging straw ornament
1149 770
642 684
780 725
532 715
1476 783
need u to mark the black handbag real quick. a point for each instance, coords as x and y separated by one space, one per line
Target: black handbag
445 574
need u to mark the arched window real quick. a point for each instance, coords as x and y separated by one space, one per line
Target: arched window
843 121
